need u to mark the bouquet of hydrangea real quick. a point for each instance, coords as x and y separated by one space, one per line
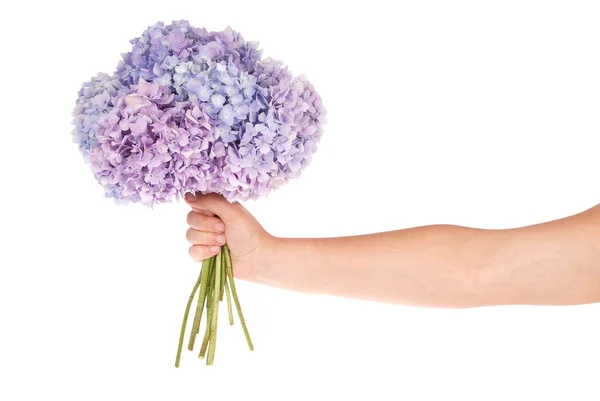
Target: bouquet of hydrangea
188 110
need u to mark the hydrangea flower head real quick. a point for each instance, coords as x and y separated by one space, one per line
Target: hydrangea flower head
189 110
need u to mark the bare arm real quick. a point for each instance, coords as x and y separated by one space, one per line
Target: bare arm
553 263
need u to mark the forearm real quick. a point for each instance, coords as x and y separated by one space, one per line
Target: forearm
447 266
429 266
553 263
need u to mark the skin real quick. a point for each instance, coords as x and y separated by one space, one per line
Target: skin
443 266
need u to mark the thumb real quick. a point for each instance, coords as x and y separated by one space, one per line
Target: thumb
227 211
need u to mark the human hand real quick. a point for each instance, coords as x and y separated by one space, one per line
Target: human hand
215 221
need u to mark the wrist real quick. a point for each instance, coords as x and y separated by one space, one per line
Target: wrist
291 264
269 258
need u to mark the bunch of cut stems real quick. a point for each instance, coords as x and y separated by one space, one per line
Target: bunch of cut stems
214 283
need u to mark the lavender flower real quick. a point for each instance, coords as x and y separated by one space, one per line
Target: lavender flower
95 101
194 111
160 49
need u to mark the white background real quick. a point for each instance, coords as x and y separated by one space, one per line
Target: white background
478 113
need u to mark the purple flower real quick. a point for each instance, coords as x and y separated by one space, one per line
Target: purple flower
189 110
96 99
177 41
227 115
164 47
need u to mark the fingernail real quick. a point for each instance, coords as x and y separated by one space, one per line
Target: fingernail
220 226
190 197
215 249
221 239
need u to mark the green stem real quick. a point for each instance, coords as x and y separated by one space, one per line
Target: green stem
235 297
222 267
185 318
215 309
208 281
201 299
209 301
229 311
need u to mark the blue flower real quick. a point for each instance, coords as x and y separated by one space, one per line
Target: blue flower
191 110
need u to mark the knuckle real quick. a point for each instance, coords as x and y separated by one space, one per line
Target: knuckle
208 238
190 218
196 237
197 253
212 239
193 252
189 235
206 223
